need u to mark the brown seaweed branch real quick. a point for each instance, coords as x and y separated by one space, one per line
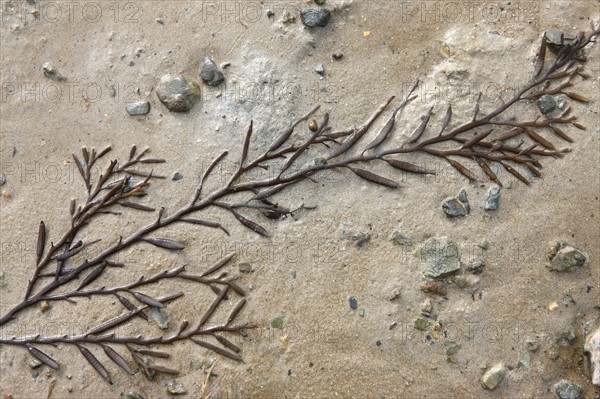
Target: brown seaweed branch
483 139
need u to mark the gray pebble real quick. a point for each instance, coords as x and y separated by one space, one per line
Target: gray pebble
394 294
320 69
210 73
245 267
177 176
452 207
492 201
494 376
525 361
177 93
398 238
134 395
475 267
176 388
312 17
441 257
138 108
564 257
566 389
52 73
457 206
361 239
553 40
546 103
2 179
161 318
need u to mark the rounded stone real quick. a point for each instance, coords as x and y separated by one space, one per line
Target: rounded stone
313 17
546 103
177 93
566 389
138 108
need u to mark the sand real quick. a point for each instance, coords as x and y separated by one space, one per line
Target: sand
325 349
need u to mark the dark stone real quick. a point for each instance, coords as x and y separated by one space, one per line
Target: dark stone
313 17
210 73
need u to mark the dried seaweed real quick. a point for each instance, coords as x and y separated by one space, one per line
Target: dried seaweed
60 273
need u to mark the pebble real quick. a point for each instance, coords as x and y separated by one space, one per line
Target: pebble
361 312
494 376
138 108
288 18
177 176
210 73
337 56
441 257
452 349
457 206
421 323
176 388
361 239
52 73
320 2
475 267
395 294
398 238
591 350
564 257
434 287
277 322
427 307
44 306
492 201
532 345
320 69
245 267
525 361
2 179
566 389
161 318
553 40
270 13
313 17
134 395
34 364
463 281
561 102
353 303
546 103
177 93
452 207
484 244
